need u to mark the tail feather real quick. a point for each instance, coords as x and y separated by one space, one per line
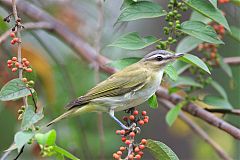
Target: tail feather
64 115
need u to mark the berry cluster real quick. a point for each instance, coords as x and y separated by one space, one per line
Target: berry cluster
173 19
134 150
223 1
15 39
212 49
15 65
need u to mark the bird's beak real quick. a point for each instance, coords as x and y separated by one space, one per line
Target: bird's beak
177 55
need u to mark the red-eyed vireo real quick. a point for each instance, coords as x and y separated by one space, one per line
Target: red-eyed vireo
125 89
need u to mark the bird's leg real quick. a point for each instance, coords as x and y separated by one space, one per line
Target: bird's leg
111 113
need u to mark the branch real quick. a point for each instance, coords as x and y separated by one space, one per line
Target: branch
223 111
30 25
201 113
198 130
232 60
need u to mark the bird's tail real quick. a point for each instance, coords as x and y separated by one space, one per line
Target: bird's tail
71 112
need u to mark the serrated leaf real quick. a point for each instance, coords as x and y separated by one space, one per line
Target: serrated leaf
187 44
140 10
13 90
194 60
152 101
160 151
132 41
225 67
195 16
30 117
171 72
122 63
21 138
217 102
48 138
185 81
235 34
207 9
173 113
220 89
200 31
65 153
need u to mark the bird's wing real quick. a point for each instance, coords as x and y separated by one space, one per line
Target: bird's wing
120 83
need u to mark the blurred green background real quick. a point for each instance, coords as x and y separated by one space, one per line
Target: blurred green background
62 75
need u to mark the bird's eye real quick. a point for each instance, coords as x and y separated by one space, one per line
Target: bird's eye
159 58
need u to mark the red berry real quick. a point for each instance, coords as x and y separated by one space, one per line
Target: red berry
14 58
24 79
117 131
12 42
124 139
140 153
9 65
14 69
130 157
131 117
122 132
17 64
122 149
145 120
144 141
26 63
127 142
12 34
144 113
16 39
116 156
138 156
135 112
146 117
132 134
141 146
141 122
9 61
24 60
119 153
136 149
29 69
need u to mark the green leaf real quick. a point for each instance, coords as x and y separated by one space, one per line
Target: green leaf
152 101
65 153
185 81
140 10
48 138
195 16
30 117
194 60
126 3
180 66
200 31
133 41
160 151
21 138
187 44
14 89
122 63
225 67
171 72
208 10
213 2
173 113
235 34
219 88
32 98
217 102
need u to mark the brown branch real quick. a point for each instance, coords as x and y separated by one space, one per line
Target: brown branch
201 113
232 60
30 25
90 54
224 111
198 130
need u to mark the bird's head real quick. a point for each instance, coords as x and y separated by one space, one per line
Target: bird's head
160 58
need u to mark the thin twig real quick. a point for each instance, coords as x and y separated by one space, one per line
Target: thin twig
224 111
100 23
168 105
30 25
19 154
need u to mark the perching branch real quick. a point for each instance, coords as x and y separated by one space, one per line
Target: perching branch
223 111
198 130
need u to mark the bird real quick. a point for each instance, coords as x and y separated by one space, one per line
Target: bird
125 89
